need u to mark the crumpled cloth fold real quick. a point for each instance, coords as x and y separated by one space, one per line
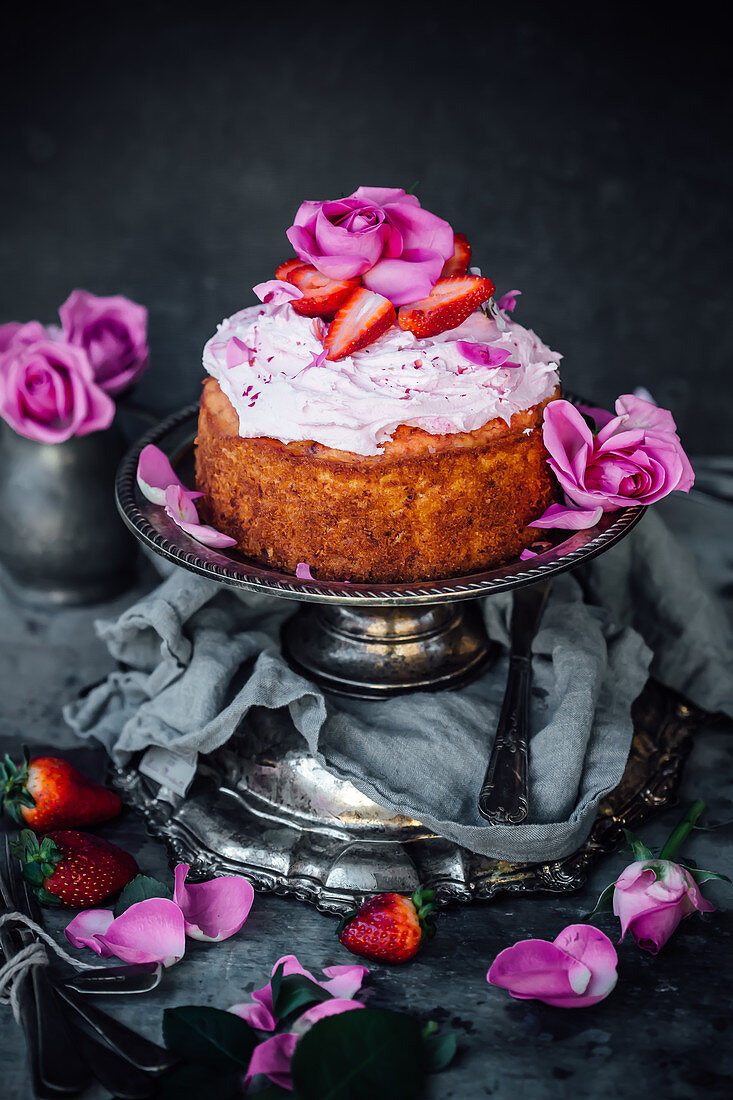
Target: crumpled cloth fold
195 657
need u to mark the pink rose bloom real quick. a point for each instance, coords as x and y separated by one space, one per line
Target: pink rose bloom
650 899
379 233
14 334
636 458
576 970
113 333
48 391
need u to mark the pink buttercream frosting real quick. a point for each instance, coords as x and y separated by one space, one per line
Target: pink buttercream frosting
270 363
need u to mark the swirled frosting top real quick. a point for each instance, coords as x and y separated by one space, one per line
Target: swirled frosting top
270 363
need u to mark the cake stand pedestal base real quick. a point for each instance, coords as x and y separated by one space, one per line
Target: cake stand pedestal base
261 806
379 651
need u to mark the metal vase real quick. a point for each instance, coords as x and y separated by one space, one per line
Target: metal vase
62 542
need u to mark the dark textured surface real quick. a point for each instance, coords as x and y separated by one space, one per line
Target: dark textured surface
665 1031
161 150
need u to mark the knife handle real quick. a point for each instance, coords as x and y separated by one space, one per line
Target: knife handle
503 796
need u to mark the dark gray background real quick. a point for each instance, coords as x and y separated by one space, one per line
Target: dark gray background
161 151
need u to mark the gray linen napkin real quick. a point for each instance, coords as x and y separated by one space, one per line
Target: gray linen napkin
198 656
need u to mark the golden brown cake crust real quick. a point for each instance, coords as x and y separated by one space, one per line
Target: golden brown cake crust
428 507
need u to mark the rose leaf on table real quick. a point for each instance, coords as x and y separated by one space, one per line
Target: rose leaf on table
141 888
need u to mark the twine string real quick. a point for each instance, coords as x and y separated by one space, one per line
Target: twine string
14 969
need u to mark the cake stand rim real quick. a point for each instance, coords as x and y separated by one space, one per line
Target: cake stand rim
173 545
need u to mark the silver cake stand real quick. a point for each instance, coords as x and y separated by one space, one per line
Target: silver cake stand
261 805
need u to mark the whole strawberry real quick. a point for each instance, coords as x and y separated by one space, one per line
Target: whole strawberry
49 793
388 927
71 868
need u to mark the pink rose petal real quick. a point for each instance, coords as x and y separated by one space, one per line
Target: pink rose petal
149 931
181 509
484 355
272 1058
568 518
277 292
303 572
576 970
508 301
87 928
155 474
213 910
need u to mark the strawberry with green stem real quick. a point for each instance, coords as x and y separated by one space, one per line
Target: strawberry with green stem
71 868
389 927
46 792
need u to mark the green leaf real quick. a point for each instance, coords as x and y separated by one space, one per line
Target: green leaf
197 1081
296 991
604 903
141 888
439 1051
208 1035
360 1055
638 848
701 876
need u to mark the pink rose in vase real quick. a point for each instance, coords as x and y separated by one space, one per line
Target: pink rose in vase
380 234
113 333
48 392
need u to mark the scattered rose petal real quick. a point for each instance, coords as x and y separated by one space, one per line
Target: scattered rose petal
568 518
237 352
342 982
272 1058
527 554
303 572
276 292
155 474
87 929
508 301
484 355
576 970
213 910
149 931
181 509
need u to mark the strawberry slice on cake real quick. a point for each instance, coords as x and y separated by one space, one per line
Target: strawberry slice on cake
447 305
321 296
361 320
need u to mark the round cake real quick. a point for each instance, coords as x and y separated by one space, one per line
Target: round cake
342 437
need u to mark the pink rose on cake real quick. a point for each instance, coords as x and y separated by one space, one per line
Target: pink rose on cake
113 333
57 382
48 392
635 457
379 234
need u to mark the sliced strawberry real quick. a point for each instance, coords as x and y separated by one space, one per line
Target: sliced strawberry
461 258
283 272
363 317
321 296
447 305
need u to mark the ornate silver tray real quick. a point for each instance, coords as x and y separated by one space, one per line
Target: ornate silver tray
260 806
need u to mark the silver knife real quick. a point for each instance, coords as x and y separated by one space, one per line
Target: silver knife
503 798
